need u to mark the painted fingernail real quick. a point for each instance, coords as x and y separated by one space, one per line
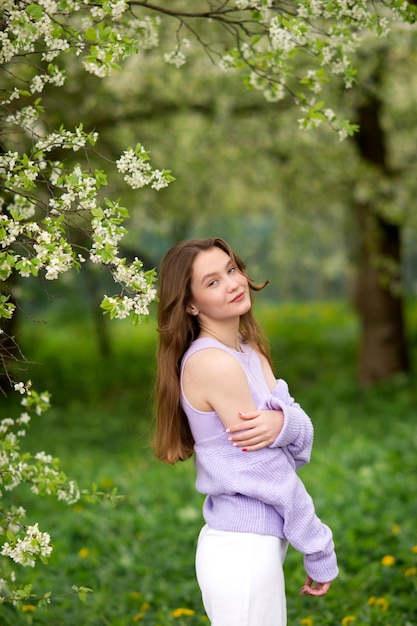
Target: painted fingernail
244 449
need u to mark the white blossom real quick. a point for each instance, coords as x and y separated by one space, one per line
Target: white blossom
42 456
71 494
20 387
35 543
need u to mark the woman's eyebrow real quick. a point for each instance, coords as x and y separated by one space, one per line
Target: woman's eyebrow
211 274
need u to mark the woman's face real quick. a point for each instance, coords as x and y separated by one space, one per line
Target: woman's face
219 290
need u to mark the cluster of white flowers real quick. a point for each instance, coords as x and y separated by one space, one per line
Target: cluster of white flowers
7 164
107 231
70 494
226 62
25 27
54 77
45 243
50 251
103 58
286 38
329 32
41 471
27 118
79 192
5 424
275 92
138 171
116 8
262 6
16 473
148 27
24 551
66 139
13 521
44 26
177 57
122 307
137 281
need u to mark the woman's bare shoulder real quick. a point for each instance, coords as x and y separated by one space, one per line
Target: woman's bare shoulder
211 361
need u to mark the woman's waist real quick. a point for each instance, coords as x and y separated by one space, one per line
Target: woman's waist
238 513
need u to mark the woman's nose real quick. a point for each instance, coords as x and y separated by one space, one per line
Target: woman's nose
232 283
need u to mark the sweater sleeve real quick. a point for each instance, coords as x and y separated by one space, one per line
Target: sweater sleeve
297 433
270 478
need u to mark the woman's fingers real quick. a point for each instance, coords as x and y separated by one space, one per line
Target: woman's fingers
312 588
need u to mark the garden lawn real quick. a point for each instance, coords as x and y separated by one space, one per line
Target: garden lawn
138 557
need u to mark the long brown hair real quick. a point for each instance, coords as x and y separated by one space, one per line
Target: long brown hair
177 329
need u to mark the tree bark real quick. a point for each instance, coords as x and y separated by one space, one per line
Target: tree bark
377 293
382 346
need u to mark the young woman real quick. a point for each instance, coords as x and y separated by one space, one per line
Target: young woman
217 397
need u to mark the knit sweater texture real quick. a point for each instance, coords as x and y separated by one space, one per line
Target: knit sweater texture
260 491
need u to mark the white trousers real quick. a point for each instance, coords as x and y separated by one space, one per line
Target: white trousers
241 578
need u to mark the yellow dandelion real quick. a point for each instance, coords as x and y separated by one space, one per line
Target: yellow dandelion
181 612
411 571
28 608
388 560
307 621
414 549
382 604
138 617
136 595
396 529
349 619
145 606
83 553
371 601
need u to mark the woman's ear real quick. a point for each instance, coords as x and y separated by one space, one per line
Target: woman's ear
192 310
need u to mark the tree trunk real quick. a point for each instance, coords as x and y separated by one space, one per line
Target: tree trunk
11 358
378 294
382 350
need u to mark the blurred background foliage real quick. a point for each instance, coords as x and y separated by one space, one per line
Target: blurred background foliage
244 171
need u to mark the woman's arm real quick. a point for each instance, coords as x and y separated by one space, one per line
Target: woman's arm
213 380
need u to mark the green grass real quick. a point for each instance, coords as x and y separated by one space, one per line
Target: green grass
139 556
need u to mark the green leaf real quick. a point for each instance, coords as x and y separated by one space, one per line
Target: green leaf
35 11
82 592
97 212
90 34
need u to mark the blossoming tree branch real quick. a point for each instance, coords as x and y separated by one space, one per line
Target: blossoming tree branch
284 49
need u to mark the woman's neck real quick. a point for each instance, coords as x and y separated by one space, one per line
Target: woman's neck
229 336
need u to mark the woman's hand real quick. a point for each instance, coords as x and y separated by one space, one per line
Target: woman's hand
260 431
312 588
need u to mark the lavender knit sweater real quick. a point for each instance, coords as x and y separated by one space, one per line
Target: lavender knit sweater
259 491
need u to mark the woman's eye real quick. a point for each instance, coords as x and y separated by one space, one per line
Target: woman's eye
231 269
212 283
